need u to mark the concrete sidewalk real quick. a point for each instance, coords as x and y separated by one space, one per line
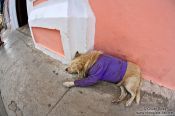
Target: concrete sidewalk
31 85
2 108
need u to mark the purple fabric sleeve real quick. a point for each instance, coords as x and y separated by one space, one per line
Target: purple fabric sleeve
94 77
90 80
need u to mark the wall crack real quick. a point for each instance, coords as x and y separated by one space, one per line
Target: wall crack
57 102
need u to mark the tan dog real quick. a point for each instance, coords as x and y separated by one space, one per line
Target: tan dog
130 82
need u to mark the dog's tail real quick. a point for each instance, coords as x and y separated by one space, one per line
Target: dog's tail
138 92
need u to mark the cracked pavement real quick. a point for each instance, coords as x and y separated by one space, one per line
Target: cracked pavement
33 81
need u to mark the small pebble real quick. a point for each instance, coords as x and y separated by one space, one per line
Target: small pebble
49 105
80 92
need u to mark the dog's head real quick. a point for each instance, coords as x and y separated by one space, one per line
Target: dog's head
76 66
82 62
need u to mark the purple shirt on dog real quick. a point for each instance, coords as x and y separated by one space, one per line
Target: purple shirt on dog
107 68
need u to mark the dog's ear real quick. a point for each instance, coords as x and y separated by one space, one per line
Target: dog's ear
77 54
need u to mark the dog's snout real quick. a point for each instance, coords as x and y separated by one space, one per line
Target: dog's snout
66 69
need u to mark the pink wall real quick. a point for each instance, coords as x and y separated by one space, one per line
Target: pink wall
142 31
48 38
38 2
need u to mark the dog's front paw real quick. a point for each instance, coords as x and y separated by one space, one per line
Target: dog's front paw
68 84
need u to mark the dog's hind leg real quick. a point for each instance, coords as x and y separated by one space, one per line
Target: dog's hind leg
133 94
138 92
132 85
122 95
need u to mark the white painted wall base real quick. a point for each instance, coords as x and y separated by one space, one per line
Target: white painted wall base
73 18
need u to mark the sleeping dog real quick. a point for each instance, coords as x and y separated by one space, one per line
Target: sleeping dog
95 66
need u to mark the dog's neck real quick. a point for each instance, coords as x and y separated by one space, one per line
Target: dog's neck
91 59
